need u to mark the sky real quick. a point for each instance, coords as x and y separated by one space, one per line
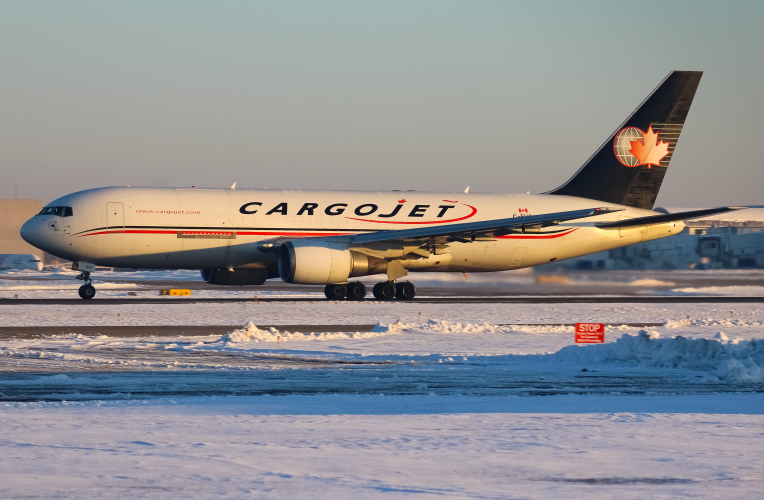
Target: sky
439 95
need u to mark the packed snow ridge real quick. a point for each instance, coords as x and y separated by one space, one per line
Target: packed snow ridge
719 360
251 333
732 361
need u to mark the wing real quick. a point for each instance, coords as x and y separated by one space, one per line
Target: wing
659 219
469 231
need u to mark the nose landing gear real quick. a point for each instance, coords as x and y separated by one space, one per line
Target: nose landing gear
87 291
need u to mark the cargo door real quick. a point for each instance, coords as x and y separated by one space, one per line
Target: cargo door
115 216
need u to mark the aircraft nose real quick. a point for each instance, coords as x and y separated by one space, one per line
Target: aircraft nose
30 231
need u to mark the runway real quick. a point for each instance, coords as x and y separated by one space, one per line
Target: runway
534 299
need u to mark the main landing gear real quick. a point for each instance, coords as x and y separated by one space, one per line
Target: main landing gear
355 290
87 291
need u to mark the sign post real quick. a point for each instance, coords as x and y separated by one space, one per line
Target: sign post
590 333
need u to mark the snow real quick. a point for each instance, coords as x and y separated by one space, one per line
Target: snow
736 291
376 446
465 400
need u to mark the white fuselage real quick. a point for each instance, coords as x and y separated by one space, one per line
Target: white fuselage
225 228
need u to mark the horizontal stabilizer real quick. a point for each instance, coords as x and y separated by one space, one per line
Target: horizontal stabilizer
660 219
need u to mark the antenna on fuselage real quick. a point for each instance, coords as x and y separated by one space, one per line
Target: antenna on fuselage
467 190
233 186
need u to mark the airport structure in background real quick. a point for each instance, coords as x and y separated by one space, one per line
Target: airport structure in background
14 213
733 240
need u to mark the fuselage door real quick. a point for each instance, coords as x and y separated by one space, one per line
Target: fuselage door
115 216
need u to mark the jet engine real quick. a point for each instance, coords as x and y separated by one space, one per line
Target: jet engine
316 262
238 277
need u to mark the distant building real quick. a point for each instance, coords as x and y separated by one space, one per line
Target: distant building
729 241
14 213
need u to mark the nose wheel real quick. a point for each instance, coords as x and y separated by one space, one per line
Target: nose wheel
87 291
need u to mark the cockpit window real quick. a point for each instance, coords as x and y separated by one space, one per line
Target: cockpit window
60 211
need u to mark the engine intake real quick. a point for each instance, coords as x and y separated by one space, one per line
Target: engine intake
316 262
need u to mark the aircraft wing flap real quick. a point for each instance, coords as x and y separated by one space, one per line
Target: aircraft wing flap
660 219
469 230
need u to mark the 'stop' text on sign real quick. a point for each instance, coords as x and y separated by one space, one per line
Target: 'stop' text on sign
590 333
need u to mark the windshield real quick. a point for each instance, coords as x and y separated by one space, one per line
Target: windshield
60 211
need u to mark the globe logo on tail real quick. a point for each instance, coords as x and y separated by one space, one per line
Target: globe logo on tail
633 147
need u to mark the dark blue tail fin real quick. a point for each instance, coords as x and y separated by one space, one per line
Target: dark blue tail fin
629 167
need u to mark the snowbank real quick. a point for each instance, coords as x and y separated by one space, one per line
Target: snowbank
714 323
731 361
718 359
251 333
735 291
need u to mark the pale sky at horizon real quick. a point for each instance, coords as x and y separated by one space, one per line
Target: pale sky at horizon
427 95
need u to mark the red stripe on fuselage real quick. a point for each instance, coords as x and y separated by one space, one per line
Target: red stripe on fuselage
300 234
244 233
132 231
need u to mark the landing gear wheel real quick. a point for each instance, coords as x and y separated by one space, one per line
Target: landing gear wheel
384 290
356 291
87 292
405 290
335 292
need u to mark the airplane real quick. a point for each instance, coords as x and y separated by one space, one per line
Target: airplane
246 236
20 261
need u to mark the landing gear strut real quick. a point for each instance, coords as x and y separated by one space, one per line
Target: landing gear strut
87 291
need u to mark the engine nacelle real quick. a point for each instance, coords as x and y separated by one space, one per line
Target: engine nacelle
240 277
316 262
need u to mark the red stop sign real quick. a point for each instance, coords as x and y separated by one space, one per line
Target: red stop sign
590 333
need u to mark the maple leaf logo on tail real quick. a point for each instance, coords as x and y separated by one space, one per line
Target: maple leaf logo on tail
648 150
633 147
